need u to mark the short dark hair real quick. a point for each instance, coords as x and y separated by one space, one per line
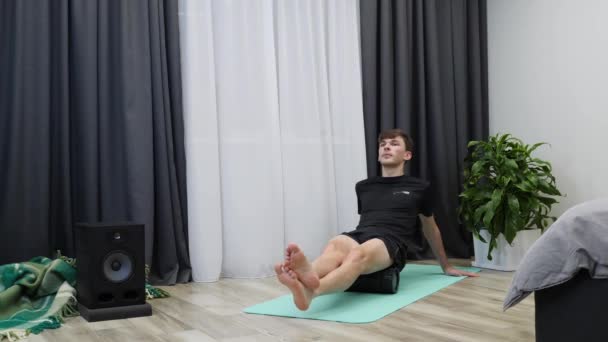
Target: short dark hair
397 132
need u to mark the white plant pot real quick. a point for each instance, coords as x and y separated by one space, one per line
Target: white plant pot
505 257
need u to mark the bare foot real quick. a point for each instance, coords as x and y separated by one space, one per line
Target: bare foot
301 295
296 260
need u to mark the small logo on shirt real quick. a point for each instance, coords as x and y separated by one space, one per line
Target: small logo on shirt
402 192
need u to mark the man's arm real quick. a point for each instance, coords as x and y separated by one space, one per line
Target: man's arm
433 236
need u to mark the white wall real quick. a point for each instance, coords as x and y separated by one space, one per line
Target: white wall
548 81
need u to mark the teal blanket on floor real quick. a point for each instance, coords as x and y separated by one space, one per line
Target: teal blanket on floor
35 295
39 294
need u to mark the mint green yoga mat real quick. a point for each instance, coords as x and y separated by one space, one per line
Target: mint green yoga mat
416 282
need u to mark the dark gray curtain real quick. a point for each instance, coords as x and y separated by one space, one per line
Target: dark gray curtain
425 70
91 127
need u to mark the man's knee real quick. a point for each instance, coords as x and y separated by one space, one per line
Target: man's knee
370 256
341 243
359 257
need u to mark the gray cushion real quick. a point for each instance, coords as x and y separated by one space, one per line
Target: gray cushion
578 239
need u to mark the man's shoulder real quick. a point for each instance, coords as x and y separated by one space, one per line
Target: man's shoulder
369 181
366 181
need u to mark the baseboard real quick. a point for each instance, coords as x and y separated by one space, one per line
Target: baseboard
492 267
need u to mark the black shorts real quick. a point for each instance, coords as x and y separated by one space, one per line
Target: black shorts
396 250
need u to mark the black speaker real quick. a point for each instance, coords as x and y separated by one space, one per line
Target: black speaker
110 279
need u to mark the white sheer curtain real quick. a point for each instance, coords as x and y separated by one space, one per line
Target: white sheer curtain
274 129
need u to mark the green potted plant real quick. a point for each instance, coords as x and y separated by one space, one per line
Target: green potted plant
506 191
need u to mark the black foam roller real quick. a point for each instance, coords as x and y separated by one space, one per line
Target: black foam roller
384 281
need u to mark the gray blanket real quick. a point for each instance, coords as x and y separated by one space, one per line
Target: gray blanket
577 240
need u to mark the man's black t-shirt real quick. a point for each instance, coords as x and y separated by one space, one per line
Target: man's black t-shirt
390 205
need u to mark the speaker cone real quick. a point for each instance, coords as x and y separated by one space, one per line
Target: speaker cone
117 266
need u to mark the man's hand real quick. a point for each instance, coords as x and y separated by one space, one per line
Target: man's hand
452 271
433 235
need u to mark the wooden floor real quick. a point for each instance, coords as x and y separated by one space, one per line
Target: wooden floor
470 310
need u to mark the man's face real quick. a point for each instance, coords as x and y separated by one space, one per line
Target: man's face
392 152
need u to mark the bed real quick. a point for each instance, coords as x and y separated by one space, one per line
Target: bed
567 269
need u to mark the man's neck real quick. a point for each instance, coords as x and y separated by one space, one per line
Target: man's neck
392 171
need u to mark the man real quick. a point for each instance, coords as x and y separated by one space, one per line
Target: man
388 206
